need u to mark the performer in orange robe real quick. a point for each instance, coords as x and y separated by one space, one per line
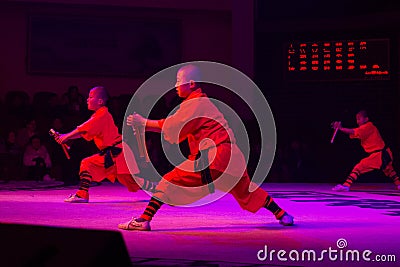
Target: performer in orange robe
380 156
110 162
215 161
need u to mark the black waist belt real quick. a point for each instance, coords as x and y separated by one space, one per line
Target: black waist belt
386 159
109 152
202 165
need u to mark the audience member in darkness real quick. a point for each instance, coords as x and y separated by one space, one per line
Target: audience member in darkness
73 101
17 108
24 134
37 160
12 148
73 107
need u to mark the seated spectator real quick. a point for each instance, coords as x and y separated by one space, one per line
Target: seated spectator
73 101
17 107
24 134
12 148
37 160
73 107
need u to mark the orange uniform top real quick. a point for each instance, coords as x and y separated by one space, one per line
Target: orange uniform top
100 128
200 122
369 136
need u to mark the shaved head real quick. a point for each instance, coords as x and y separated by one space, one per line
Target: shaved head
191 72
101 93
362 117
363 113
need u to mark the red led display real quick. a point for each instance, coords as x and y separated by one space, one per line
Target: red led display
338 60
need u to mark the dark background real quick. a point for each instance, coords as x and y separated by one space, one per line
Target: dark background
303 110
226 32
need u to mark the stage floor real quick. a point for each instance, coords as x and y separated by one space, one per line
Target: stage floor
327 225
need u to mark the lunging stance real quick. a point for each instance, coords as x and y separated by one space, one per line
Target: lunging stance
379 154
215 161
110 161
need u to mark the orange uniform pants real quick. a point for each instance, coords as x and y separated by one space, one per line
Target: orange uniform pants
373 162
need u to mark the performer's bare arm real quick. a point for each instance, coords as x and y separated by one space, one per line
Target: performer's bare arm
75 134
338 125
347 130
151 125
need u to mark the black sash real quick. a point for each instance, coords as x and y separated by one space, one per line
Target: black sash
200 166
386 159
109 152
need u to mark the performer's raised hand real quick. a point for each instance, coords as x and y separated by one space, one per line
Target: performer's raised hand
135 120
61 138
56 135
64 146
336 124
129 120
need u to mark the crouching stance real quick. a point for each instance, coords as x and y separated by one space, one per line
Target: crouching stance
379 154
110 161
215 161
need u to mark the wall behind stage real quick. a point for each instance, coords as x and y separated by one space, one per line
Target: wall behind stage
205 35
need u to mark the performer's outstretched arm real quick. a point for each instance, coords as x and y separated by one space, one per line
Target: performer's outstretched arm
347 130
62 138
136 119
338 125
